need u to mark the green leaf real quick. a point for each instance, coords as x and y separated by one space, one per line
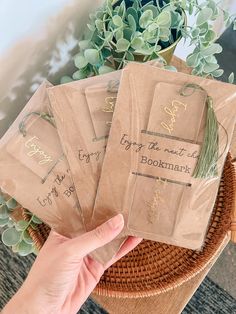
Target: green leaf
210 59
170 68
231 78
36 220
204 15
210 67
204 28
218 73
122 9
21 225
105 69
106 52
164 19
152 27
148 35
128 33
11 237
35 250
4 212
66 79
176 19
24 248
212 49
129 56
164 34
10 223
210 36
96 39
195 32
99 24
122 44
4 222
193 60
136 5
27 238
11 203
133 12
212 5
132 22
153 8
190 8
118 35
92 56
79 75
109 7
153 40
146 18
117 20
145 51
184 4
137 43
80 61
108 36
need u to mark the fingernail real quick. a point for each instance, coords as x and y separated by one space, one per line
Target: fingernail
116 222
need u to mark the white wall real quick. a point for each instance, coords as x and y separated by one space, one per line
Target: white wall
35 44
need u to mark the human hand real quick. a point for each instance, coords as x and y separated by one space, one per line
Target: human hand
63 275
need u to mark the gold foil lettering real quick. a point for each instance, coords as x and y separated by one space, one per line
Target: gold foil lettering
36 150
109 104
172 114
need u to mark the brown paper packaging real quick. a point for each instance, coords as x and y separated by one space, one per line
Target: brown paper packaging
34 170
152 151
83 112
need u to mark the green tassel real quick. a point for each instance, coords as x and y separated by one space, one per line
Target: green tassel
207 162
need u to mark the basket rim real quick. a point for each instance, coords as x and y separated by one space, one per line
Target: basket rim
152 292
212 253
204 260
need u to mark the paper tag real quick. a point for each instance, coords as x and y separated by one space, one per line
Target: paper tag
170 110
101 114
39 150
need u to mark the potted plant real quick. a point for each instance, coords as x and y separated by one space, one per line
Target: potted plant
137 30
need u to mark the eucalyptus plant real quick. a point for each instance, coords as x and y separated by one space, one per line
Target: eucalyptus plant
15 234
122 31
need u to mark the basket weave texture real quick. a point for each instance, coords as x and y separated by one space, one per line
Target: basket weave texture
152 267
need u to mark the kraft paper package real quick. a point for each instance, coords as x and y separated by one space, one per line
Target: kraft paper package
34 169
157 171
83 113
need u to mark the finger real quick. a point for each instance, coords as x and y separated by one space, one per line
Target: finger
127 246
98 237
54 239
53 235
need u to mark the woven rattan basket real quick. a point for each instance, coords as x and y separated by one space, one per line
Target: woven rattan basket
153 268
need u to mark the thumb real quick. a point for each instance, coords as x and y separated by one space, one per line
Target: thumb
98 237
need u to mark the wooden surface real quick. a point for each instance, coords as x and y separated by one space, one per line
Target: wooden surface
174 301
